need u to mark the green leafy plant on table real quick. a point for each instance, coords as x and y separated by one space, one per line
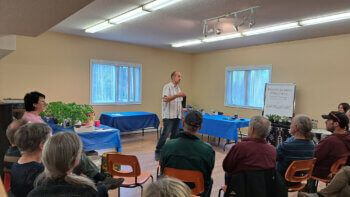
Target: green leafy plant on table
61 111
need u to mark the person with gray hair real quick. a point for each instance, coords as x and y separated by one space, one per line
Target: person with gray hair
167 187
61 154
298 147
253 152
30 139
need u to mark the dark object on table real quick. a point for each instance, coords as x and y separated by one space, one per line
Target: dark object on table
220 113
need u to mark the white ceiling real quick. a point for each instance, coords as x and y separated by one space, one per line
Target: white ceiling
183 21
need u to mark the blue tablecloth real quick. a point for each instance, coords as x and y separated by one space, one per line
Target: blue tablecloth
130 121
96 140
222 126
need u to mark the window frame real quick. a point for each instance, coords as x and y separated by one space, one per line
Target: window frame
244 68
116 64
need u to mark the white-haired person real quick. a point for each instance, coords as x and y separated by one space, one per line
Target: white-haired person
298 147
61 154
167 187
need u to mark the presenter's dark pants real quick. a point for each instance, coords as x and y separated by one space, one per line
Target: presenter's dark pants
170 126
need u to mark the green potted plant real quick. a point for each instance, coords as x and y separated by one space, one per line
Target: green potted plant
71 111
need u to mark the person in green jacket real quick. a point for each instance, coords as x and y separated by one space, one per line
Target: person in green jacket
188 152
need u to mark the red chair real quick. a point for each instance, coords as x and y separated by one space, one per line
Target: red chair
189 176
133 178
299 166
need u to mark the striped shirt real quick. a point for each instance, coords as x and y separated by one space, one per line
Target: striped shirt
172 109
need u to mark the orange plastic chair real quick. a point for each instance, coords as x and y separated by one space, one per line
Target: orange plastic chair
299 166
189 176
336 166
133 178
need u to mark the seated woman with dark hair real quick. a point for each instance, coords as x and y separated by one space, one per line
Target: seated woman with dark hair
61 154
30 139
298 147
343 107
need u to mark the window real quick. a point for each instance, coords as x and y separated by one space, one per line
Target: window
245 86
115 82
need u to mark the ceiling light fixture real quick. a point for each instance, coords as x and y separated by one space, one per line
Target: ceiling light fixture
158 4
223 37
325 19
239 19
271 29
98 27
128 16
186 43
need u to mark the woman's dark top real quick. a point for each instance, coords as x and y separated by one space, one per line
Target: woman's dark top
60 188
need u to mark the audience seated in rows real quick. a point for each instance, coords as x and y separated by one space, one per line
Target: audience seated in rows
30 139
61 154
333 147
168 187
298 147
188 152
339 186
35 103
253 153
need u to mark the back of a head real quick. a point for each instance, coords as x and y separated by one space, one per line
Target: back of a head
168 187
29 136
193 121
60 153
260 125
13 128
304 124
59 157
32 98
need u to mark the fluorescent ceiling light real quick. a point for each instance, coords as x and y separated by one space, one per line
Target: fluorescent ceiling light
271 29
128 16
158 4
223 37
98 27
325 19
186 43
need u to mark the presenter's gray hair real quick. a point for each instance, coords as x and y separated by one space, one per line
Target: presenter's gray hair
260 125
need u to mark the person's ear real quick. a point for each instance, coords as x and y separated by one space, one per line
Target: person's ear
41 146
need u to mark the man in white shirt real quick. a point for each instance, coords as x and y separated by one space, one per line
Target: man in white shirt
171 110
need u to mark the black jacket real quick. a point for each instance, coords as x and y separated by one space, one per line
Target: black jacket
264 183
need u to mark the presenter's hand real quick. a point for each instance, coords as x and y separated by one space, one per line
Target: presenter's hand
181 94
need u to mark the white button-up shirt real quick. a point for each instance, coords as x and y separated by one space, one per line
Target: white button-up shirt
172 109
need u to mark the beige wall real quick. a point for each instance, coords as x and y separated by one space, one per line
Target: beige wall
319 67
59 66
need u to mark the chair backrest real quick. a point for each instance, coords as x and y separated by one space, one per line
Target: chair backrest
336 166
300 166
189 176
126 160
